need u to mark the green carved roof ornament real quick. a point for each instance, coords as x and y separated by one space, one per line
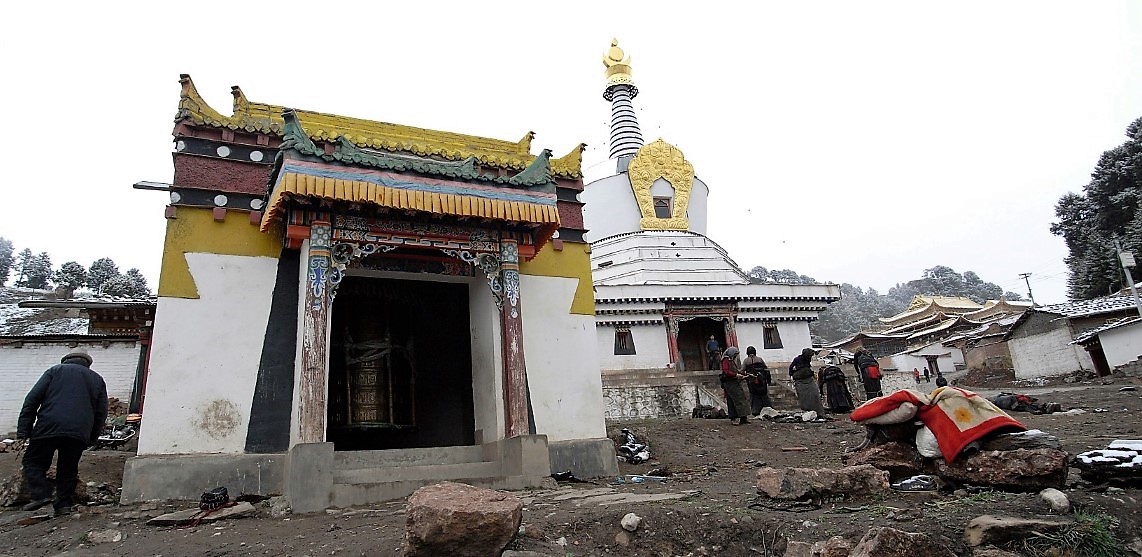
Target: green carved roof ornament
294 137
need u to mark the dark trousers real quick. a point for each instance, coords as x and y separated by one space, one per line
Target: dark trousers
37 460
758 397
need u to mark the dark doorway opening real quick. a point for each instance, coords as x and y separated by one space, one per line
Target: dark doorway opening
400 369
693 334
933 364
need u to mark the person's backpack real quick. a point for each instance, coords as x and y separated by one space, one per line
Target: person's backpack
873 371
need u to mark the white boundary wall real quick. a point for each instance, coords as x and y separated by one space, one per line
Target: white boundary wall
20 368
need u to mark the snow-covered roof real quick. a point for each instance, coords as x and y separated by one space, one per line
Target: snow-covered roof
1086 308
862 334
90 302
1091 334
922 305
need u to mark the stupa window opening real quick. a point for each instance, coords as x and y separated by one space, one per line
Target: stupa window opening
771 337
624 342
662 207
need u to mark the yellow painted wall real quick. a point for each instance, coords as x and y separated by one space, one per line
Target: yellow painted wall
573 262
194 230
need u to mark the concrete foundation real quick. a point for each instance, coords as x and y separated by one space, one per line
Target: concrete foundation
585 458
165 477
309 477
314 477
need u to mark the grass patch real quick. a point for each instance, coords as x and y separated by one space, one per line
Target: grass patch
1092 535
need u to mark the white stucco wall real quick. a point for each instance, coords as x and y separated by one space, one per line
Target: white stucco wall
610 206
562 363
794 338
204 360
651 350
487 362
1122 345
1048 353
20 368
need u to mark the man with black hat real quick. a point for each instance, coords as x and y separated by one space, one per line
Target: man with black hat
64 413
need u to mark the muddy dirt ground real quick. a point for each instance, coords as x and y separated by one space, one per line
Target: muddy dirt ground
712 467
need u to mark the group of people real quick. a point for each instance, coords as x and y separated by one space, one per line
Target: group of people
754 374
916 375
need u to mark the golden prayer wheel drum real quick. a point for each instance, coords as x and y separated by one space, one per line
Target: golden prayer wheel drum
368 377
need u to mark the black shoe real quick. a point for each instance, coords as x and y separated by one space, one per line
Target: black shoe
64 510
37 504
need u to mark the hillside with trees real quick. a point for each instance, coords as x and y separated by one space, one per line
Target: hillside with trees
859 307
1108 209
28 269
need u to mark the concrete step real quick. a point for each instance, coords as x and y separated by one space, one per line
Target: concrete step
430 456
348 495
435 472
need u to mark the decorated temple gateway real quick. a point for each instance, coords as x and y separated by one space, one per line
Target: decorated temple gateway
349 309
662 287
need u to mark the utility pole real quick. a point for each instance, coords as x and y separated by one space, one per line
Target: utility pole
1029 294
1127 260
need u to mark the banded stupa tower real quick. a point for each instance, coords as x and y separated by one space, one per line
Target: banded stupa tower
663 288
626 137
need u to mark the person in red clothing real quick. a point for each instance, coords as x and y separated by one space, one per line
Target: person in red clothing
916 375
731 380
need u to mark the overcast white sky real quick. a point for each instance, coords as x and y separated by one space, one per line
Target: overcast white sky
856 142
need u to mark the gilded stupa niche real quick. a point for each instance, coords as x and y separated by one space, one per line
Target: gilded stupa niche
655 160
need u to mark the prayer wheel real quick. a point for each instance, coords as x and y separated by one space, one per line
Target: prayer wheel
368 370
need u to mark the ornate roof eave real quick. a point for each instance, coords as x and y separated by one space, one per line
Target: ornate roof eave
537 175
265 118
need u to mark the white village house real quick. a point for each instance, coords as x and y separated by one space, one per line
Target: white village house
662 287
1042 342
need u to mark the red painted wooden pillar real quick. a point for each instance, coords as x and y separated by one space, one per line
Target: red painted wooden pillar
314 351
731 332
516 421
672 343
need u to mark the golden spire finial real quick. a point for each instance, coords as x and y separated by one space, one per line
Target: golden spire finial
618 64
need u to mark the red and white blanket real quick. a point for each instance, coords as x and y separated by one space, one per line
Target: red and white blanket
955 416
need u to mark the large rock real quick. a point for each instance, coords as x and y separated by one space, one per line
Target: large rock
798 549
1020 469
901 460
798 484
999 530
1030 439
836 546
458 519
890 542
240 509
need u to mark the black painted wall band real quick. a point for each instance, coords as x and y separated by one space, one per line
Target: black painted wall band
273 392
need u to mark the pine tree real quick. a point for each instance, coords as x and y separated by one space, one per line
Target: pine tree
139 288
100 272
118 286
1109 208
22 263
6 259
38 272
71 275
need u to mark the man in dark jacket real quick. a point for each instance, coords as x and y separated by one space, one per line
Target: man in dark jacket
64 413
869 371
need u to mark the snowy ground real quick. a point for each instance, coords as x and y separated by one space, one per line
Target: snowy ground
15 320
